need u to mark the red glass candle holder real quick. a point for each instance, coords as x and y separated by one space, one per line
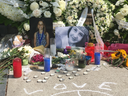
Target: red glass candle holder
17 67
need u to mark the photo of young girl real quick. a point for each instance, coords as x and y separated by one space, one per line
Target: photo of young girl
41 37
75 36
41 30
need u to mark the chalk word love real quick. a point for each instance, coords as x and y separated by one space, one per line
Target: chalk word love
104 86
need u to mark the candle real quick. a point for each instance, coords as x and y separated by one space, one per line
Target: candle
46 78
42 73
35 76
17 67
59 76
85 73
25 78
44 81
39 80
29 80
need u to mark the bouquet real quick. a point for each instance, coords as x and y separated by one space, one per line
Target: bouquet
37 59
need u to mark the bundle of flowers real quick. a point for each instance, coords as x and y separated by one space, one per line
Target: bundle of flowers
102 11
119 27
37 59
7 56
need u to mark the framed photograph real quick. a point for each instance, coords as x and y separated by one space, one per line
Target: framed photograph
41 30
75 36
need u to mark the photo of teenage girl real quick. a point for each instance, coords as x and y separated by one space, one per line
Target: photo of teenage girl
41 30
41 37
74 36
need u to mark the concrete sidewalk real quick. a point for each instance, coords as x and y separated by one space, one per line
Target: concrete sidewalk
107 81
3 83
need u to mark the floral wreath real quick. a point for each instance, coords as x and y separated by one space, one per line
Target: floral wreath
102 11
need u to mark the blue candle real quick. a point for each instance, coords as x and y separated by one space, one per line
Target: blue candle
46 64
97 58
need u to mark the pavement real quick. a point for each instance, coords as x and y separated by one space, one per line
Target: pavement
3 82
101 80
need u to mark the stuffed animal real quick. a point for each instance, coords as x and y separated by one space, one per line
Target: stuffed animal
18 41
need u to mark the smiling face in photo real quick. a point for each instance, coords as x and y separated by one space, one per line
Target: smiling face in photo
75 35
40 25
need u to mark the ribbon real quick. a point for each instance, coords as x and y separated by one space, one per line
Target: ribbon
100 42
83 17
15 3
40 39
122 23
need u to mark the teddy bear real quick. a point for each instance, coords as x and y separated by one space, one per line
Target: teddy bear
18 41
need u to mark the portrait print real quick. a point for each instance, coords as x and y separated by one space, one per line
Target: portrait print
41 30
74 36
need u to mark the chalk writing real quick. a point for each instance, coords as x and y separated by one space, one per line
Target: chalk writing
64 87
79 86
78 92
32 92
104 84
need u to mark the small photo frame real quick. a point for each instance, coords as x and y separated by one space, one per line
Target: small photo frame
74 36
36 36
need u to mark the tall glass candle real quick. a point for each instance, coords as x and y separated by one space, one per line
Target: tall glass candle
17 67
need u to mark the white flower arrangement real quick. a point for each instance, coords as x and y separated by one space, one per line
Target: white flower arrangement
11 12
118 30
102 11
33 8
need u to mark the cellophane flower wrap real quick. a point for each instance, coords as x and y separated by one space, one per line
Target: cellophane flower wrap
37 59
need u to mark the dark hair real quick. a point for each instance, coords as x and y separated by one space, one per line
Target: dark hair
83 40
44 27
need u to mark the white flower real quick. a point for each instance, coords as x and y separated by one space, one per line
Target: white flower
57 11
116 32
117 3
34 6
125 6
47 14
121 1
97 2
119 16
113 6
36 13
111 25
26 26
55 4
62 5
124 11
44 4
119 27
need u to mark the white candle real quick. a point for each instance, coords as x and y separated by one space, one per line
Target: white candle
64 72
78 69
67 74
25 78
59 76
76 74
39 80
29 80
42 73
44 81
85 73
35 76
46 78
70 77
88 70
52 75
